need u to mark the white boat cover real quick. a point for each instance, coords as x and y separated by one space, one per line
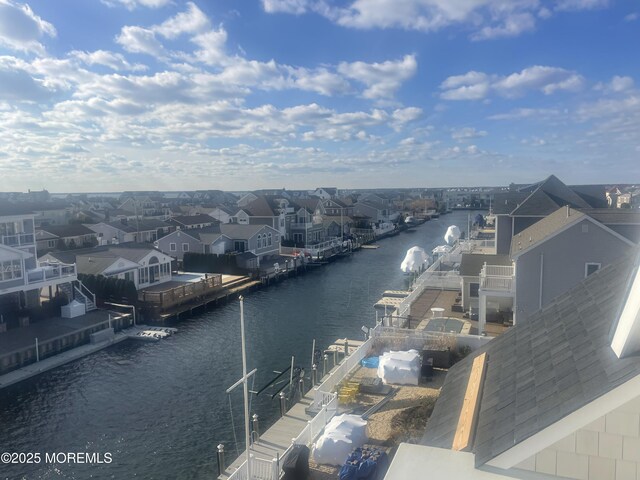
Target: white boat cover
415 260
453 234
400 368
341 436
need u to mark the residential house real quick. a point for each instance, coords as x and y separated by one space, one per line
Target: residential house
337 207
144 206
478 292
246 199
325 193
336 227
199 240
125 231
307 225
259 241
199 220
555 397
221 213
277 212
143 265
22 277
61 237
558 252
532 203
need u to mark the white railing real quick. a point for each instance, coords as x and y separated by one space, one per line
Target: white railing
315 426
262 469
50 271
497 271
18 239
340 372
502 284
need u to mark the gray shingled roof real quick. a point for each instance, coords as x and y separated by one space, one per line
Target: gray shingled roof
614 216
543 229
472 263
507 202
73 230
547 197
540 371
240 232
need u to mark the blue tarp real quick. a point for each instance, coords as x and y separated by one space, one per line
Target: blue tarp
370 362
362 464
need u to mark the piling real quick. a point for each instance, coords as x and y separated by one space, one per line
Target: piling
221 465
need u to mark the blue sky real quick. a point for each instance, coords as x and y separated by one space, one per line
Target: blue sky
109 95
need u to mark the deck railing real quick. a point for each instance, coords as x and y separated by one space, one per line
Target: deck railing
18 239
177 295
500 278
50 271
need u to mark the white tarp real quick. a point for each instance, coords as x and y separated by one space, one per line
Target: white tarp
453 234
440 249
341 436
400 368
415 260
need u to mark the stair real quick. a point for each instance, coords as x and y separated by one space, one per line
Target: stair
84 295
67 288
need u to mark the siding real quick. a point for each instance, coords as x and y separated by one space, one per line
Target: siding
606 449
564 260
503 234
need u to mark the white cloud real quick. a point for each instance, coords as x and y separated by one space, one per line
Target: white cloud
467 133
569 5
193 20
618 84
285 6
632 17
519 113
21 29
132 4
114 61
136 39
477 85
382 79
486 19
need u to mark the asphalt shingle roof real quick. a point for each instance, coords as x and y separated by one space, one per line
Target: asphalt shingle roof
540 371
543 229
73 230
196 219
547 197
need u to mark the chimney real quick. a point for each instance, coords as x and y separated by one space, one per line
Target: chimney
568 211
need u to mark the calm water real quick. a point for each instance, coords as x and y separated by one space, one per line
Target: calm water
160 408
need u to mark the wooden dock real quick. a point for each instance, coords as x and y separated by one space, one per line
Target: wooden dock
277 439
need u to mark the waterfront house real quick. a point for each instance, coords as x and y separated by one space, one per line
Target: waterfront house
142 264
186 222
307 225
518 210
336 227
146 230
479 282
556 253
221 213
337 207
277 212
199 240
557 396
62 237
22 277
259 240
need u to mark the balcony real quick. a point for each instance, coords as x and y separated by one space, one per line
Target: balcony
18 240
49 272
497 278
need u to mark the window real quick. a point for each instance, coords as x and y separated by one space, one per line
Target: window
129 276
10 270
473 289
143 275
259 241
269 242
51 244
590 268
172 247
185 247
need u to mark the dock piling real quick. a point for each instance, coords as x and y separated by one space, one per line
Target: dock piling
221 465
314 375
255 435
325 361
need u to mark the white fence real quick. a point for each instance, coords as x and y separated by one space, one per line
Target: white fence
317 424
338 373
418 338
260 470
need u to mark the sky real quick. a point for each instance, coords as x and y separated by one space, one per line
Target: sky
113 95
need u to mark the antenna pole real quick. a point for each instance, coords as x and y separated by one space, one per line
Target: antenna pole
246 388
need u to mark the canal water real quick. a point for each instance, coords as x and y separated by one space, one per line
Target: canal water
160 409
